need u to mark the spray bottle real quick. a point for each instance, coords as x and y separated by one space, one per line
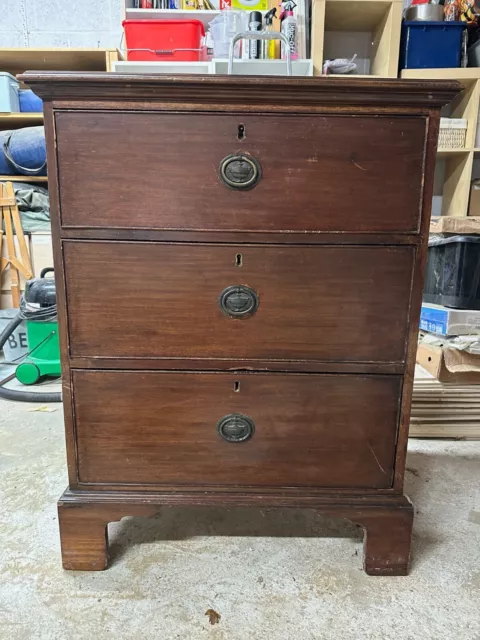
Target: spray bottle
268 46
289 28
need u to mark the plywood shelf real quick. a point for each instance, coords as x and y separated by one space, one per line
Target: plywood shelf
23 179
18 120
468 74
357 15
21 59
448 152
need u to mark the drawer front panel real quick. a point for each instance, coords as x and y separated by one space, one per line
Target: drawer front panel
318 173
236 301
306 430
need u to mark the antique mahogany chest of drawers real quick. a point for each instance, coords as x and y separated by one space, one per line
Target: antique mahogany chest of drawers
239 267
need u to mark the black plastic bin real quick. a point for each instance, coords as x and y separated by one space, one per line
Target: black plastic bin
453 272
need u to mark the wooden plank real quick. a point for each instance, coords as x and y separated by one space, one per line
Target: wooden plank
24 178
25 267
386 42
356 15
467 74
19 120
458 431
456 189
317 35
14 276
20 59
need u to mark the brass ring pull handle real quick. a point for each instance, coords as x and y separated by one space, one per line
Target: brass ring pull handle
235 427
240 172
238 301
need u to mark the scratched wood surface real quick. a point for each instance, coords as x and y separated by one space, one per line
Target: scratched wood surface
333 242
319 173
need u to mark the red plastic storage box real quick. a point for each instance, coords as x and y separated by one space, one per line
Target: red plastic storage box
164 40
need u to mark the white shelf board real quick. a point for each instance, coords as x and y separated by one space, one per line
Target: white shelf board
151 67
263 67
172 14
217 66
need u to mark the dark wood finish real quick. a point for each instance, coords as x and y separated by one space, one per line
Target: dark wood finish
389 274
416 301
260 93
250 237
387 523
160 428
227 364
315 303
328 168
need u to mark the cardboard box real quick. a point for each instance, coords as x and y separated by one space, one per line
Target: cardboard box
444 321
466 366
449 224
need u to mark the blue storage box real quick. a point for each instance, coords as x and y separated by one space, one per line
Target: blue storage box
8 93
29 101
431 45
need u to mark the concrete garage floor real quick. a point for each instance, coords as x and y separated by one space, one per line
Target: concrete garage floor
278 575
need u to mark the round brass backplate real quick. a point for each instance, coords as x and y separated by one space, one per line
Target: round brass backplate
240 171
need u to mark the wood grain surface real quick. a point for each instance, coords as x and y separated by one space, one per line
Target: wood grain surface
332 241
76 89
310 430
315 303
319 173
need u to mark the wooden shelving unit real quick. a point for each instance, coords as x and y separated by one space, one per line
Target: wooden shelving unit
17 61
456 167
369 28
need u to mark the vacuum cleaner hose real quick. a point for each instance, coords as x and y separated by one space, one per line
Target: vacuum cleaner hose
10 328
12 394
26 396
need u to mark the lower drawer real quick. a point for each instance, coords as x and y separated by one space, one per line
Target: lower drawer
249 429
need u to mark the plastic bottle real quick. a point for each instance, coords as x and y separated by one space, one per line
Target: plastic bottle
268 46
290 29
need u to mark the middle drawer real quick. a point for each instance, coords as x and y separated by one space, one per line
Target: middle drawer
321 303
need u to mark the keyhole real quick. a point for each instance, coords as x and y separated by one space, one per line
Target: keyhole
241 132
236 386
238 260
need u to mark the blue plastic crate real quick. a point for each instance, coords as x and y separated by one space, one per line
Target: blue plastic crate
431 45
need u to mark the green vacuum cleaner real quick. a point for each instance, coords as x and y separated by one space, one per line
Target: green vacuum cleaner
38 308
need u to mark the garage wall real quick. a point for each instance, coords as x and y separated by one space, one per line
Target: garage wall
60 23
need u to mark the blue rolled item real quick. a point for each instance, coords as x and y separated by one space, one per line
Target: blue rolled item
29 101
23 152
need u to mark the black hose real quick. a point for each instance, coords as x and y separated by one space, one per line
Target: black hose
27 396
13 394
10 328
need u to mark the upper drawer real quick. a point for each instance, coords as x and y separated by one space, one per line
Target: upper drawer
318 173
135 299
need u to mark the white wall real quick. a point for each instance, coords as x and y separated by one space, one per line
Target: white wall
60 23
